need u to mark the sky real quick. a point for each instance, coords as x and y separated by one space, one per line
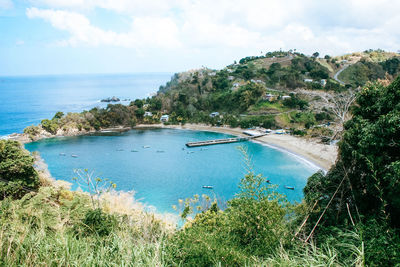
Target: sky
39 37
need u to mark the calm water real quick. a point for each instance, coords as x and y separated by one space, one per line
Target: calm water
160 179
27 100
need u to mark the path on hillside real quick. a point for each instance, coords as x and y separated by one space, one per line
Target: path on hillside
340 71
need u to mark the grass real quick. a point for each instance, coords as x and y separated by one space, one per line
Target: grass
39 230
270 107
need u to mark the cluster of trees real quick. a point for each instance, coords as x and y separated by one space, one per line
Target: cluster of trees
97 118
17 174
363 71
361 191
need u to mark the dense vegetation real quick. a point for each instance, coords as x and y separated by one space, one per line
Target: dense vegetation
366 176
363 71
17 174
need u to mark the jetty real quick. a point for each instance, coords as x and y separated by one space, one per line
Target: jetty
252 135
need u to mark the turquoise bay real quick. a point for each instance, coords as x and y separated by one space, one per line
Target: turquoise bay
162 170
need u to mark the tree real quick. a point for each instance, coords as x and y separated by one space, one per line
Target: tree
139 103
17 175
315 55
366 176
139 113
340 104
50 126
58 115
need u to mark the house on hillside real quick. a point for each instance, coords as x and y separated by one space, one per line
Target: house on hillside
148 114
212 73
235 85
270 97
308 80
285 97
164 118
231 78
323 82
214 114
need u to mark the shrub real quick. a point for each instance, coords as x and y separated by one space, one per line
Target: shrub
50 126
99 223
253 225
17 175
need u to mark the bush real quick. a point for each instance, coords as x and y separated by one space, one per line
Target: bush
50 126
253 225
32 131
17 174
99 223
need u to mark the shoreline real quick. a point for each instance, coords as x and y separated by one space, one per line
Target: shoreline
315 154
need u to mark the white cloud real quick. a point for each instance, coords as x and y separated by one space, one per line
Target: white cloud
146 32
6 4
331 26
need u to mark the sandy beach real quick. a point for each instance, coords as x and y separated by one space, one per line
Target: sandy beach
324 156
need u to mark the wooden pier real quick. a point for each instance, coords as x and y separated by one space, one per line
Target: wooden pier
221 141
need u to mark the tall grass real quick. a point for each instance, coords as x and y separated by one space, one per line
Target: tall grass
38 230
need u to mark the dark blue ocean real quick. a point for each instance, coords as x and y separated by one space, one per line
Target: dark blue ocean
27 100
161 169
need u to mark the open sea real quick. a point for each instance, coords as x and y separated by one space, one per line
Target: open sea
154 163
26 101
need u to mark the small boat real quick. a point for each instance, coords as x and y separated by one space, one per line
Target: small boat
190 152
133 150
62 154
201 149
74 156
268 181
160 151
120 149
146 146
289 187
208 186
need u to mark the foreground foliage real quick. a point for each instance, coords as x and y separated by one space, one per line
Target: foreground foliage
17 174
366 177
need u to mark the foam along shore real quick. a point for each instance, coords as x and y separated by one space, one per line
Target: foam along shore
324 156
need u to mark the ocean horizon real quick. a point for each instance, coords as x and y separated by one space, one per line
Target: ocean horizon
28 99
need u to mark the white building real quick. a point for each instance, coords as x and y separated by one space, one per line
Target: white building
148 114
268 97
285 97
164 118
308 80
214 114
323 82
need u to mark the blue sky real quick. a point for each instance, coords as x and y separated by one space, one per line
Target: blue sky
119 36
